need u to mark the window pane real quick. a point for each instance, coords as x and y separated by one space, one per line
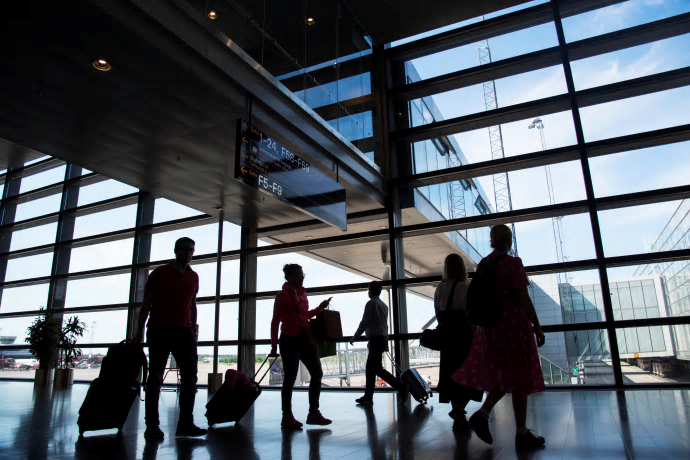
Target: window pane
641 170
476 146
630 63
95 256
509 91
103 191
105 221
466 56
204 236
231 236
228 321
165 210
42 179
35 236
620 16
24 298
542 186
230 277
639 229
36 208
14 329
648 355
102 326
88 365
317 273
29 267
227 359
636 115
585 353
101 290
207 278
536 243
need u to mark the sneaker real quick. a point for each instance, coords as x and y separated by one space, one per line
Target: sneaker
154 433
529 439
190 430
480 425
289 421
365 401
316 418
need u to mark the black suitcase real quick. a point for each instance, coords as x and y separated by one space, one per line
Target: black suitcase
229 405
419 389
106 406
111 395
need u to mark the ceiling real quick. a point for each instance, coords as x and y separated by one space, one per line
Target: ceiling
390 20
338 29
151 122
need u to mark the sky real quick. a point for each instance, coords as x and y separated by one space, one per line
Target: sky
624 231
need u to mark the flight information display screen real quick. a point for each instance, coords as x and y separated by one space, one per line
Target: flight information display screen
266 165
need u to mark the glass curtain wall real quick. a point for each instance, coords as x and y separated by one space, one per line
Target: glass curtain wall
565 120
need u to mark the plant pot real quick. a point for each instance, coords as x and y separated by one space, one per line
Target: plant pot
44 378
63 379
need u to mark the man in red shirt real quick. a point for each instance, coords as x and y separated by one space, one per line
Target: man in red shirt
170 298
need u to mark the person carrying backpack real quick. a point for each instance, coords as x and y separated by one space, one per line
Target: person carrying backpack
503 357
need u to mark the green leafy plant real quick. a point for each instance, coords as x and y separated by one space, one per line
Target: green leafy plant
67 344
43 337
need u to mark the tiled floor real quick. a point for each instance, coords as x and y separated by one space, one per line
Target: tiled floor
577 425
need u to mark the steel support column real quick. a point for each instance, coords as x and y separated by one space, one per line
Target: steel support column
591 200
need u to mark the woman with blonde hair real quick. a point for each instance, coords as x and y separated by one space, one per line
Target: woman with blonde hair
503 358
456 337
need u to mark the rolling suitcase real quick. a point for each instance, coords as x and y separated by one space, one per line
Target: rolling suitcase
106 406
419 389
233 399
111 395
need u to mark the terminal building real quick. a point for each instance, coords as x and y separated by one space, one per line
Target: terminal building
396 135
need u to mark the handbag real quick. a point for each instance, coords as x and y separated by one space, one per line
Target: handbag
325 349
326 325
433 338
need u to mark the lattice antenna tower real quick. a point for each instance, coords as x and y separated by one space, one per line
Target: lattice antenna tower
501 182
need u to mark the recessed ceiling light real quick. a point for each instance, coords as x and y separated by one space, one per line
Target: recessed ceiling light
212 15
383 226
410 244
310 21
309 237
102 65
438 263
344 252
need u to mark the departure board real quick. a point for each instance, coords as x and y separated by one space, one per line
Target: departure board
266 165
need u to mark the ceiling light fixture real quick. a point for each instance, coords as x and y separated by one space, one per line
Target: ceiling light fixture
310 21
102 65
410 244
382 226
344 252
309 237
212 15
217 208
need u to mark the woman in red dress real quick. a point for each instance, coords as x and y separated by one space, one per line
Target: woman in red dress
503 358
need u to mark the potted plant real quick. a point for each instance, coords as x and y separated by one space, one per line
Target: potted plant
43 336
68 351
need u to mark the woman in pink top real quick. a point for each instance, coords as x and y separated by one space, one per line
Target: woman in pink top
503 358
291 308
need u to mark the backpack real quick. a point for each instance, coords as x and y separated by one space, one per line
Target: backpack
483 301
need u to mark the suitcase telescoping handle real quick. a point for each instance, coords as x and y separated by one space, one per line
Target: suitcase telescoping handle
394 362
261 367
